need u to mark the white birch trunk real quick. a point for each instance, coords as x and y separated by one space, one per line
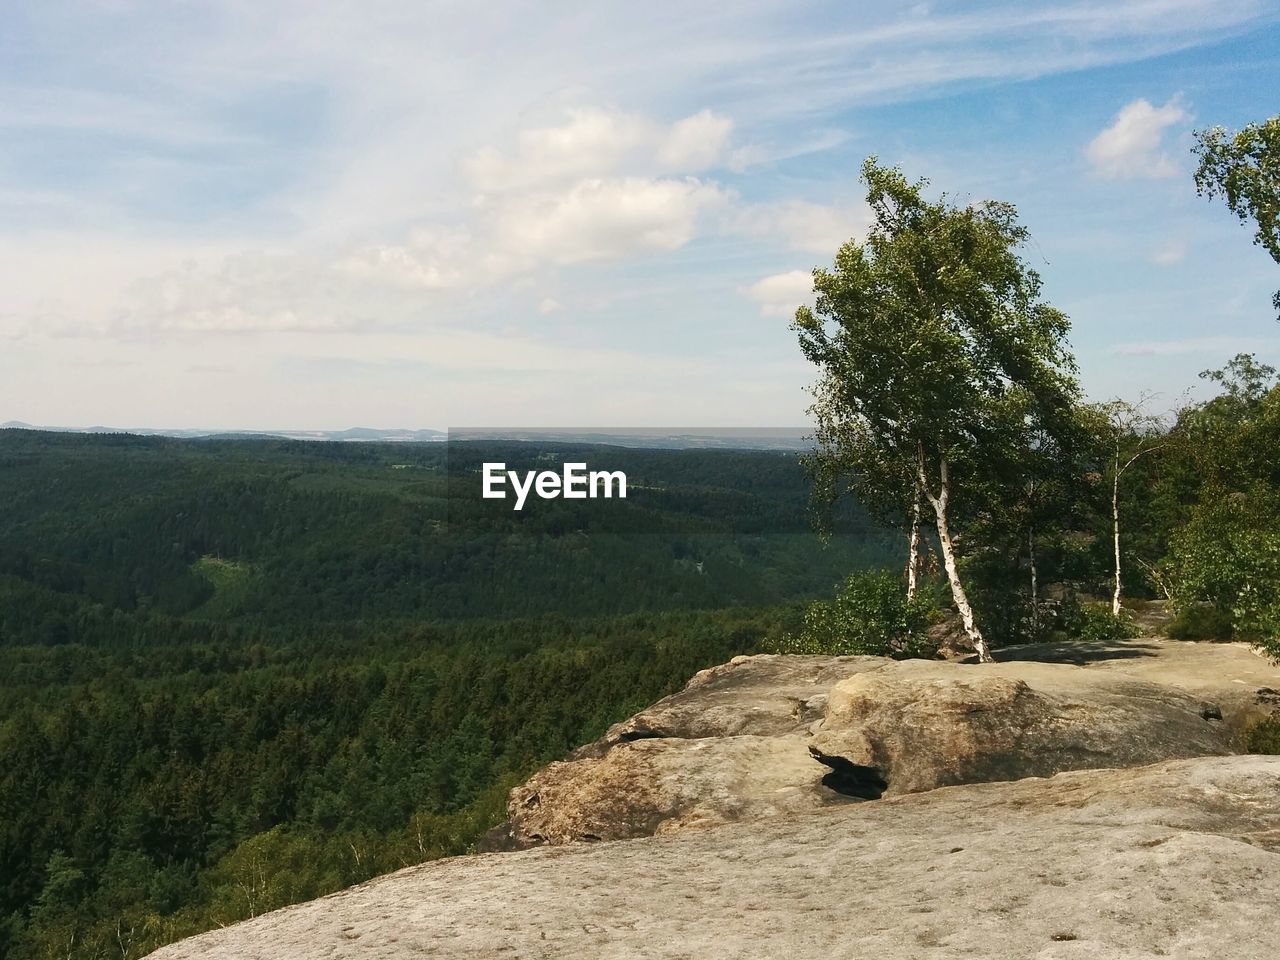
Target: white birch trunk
913 554
1035 589
1115 525
939 504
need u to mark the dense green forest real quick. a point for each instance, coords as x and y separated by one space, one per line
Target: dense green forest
235 674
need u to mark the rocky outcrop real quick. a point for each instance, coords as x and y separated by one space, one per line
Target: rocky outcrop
769 735
764 696
924 725
732 745
1178 860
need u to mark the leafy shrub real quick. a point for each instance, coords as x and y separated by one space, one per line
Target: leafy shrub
1228 555
1093 622
869 615
1263 736
1201 622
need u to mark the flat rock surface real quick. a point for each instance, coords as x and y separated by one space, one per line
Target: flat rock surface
1176 860
1231 674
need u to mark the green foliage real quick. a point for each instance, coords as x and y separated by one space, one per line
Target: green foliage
869 615
1095 622
1263 736
1231 439
182 784
1244 169
1228 555
1201 622
931 335
943 374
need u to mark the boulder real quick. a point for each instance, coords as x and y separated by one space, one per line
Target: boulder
731 745
766 695
644 787
930 724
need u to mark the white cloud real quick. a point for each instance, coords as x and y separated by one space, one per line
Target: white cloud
779 295
594 141
329 131
591 220
755 154
802 225
385 285
433 259
259 292
591 141
549 305
601 219
13 327
695 143
1132 145
1169 254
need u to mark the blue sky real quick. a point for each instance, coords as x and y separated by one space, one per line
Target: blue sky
320 214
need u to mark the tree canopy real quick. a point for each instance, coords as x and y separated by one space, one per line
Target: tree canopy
1244 169
937 356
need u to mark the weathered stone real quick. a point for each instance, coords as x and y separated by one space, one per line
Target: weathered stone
644 787
766 695
1174 860
736 742
928 724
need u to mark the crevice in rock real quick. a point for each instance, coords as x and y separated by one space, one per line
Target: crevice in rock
641 733
849 778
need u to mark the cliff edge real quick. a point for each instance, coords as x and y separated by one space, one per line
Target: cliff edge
1081 802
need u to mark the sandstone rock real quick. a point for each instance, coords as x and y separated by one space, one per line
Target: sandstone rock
1177 860
644 787
950 640
929 724
1228 674
765 695
729 746
762 736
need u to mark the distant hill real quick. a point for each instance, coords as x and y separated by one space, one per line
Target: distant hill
352 433
336 530
669 438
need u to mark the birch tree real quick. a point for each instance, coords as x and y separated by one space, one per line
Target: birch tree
848 460
1130 434
933 344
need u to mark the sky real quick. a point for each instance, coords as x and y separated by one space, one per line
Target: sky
314 215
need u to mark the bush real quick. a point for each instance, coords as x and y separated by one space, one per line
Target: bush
1263 736
1228 556
1090 621
870 615
1201 622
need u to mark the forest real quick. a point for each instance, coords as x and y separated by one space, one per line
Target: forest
239 673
